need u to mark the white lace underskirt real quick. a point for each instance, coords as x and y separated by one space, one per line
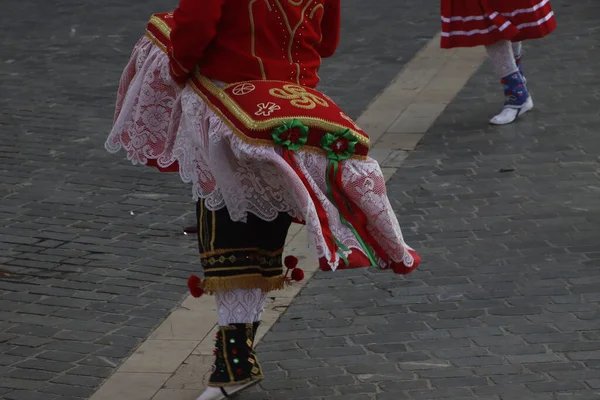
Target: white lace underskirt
156 119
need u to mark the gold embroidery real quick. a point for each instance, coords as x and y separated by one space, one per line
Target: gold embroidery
202 224
267 124
161 25
243 249
314 10
156 42
175 73
263 261
241 267
187 71
243 88
165 30
293 35
213 235
267 109
347 118
223 251
268 253
221 260
285 19
224 345
294 3
311 16
253 37
293 31
248 281
299 97
270 261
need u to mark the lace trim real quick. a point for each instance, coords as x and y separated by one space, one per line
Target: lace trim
155 119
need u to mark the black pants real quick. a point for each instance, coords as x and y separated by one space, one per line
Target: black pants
241 255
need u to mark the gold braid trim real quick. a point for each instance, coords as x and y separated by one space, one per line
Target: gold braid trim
214 284
219 252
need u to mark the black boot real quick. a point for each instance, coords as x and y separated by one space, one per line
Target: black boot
256 369
235 362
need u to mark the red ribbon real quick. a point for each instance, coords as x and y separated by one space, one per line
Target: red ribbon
352 213
288 156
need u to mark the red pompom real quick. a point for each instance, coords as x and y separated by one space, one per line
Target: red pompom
194 285
290 262
297 274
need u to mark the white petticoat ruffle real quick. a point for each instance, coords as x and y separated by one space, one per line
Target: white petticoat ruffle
156 119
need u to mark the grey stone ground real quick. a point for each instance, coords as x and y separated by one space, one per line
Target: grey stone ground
507 220
91 252
506 304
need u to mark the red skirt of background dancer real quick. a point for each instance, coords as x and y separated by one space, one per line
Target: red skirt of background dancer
468 23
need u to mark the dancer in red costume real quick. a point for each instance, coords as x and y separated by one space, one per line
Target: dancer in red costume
222 91
500 26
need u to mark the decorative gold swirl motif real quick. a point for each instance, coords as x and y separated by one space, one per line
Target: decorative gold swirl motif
267 124
299 97
295 3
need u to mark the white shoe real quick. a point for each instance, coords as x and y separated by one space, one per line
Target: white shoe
510 113
221 393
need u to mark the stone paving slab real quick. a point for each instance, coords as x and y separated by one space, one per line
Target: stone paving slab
91 252
506 303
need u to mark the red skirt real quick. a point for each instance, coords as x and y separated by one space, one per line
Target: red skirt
468 23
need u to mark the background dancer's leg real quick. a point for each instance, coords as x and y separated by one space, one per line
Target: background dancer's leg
502 57
518 52
517 48
518 101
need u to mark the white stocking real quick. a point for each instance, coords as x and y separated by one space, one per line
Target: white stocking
517 48
502 57
240 306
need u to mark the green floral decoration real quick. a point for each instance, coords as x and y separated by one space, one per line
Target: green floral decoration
340 145
291 135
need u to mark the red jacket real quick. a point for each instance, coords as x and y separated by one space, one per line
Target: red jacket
237 40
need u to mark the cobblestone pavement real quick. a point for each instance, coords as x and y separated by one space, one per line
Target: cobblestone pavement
91 252
506 304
